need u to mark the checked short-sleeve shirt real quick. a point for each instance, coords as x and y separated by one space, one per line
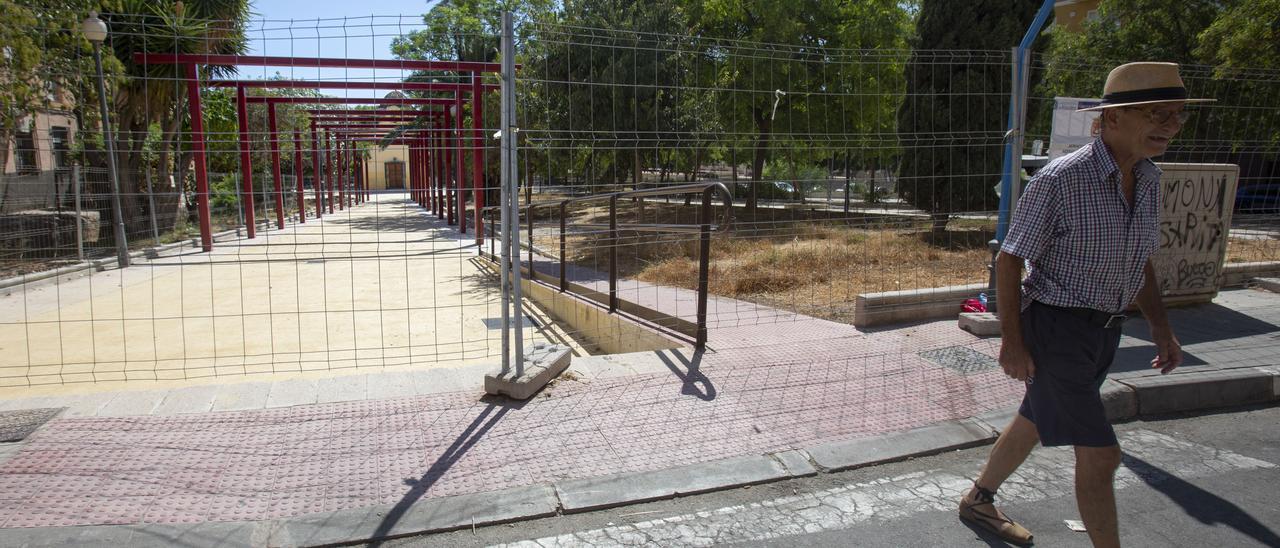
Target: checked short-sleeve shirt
1083 243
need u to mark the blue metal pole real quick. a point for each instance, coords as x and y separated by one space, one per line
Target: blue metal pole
1007 177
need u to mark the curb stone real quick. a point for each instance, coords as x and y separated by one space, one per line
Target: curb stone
1192 391
928 440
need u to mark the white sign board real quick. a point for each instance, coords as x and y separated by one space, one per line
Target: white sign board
1195 218
1071 129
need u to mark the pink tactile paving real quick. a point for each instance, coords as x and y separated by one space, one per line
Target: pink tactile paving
774 381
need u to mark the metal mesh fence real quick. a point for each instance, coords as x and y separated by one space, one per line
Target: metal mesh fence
342 198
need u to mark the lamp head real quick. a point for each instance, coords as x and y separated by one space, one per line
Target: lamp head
94 28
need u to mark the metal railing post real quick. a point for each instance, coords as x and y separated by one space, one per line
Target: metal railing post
613 254
564 279
704 268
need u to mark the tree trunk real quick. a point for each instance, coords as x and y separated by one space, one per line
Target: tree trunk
763 124
939 223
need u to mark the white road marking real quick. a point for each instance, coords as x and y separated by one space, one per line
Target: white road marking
1046 474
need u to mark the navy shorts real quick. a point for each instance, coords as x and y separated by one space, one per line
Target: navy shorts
1072 358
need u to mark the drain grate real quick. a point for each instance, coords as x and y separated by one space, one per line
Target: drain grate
17 425
963 359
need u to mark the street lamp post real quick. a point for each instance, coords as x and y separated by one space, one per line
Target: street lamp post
95 30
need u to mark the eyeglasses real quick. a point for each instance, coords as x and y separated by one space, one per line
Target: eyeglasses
1162 117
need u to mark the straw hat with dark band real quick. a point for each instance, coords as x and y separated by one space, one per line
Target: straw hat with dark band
1133 84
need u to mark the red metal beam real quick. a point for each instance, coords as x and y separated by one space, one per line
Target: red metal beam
340 84
352 100
477 157
246 165
297 175
276 179
371 112
316 171
197 150
144 58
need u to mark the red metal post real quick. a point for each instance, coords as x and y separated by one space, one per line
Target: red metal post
297 176
316 171
436 159
446 142
458 184
197 149
275 165
328 169
341 155
246 163
477 153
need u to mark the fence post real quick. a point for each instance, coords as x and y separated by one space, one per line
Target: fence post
564 279
704 267
512 173
613 254
75 182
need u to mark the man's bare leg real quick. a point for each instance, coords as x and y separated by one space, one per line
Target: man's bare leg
978 504
1011 449
1095 493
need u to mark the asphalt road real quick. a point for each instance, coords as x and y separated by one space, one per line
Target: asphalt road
1205 480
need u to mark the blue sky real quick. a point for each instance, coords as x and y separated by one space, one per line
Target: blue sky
331 28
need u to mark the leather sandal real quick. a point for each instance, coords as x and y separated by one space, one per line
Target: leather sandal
978 507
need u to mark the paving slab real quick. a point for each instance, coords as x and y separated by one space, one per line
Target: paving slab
844 455
796 463
241 396
191 399
124 404
389 385
292 392
618 489
343 388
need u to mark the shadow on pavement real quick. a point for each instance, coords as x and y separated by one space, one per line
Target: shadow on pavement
1205 507
489 417
1204 323
689 374
1138 358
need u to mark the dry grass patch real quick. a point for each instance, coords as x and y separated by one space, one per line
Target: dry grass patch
821 270
1250 250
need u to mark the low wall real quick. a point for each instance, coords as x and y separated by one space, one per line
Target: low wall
593 324
944 302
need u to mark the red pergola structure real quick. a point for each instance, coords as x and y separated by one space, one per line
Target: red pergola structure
192 61
427 185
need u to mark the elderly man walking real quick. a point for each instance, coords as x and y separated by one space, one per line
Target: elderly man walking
1086 228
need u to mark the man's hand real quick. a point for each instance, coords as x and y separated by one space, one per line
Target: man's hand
1168 350
1016 361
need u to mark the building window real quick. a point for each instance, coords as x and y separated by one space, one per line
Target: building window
61 148
25 154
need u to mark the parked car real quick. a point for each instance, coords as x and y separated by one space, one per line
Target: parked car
1259 197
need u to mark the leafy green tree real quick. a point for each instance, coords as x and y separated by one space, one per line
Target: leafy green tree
1244 36
955 112
815 53
147 95
41 49
1228 51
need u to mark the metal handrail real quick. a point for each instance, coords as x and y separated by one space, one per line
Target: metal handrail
703 227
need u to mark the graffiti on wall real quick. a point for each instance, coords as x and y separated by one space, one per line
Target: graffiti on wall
1195 218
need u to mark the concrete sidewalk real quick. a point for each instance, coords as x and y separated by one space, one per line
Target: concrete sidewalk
780 396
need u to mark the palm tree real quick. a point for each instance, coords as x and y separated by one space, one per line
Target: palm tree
150 100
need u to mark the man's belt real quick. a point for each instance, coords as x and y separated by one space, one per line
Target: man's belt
1096 318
